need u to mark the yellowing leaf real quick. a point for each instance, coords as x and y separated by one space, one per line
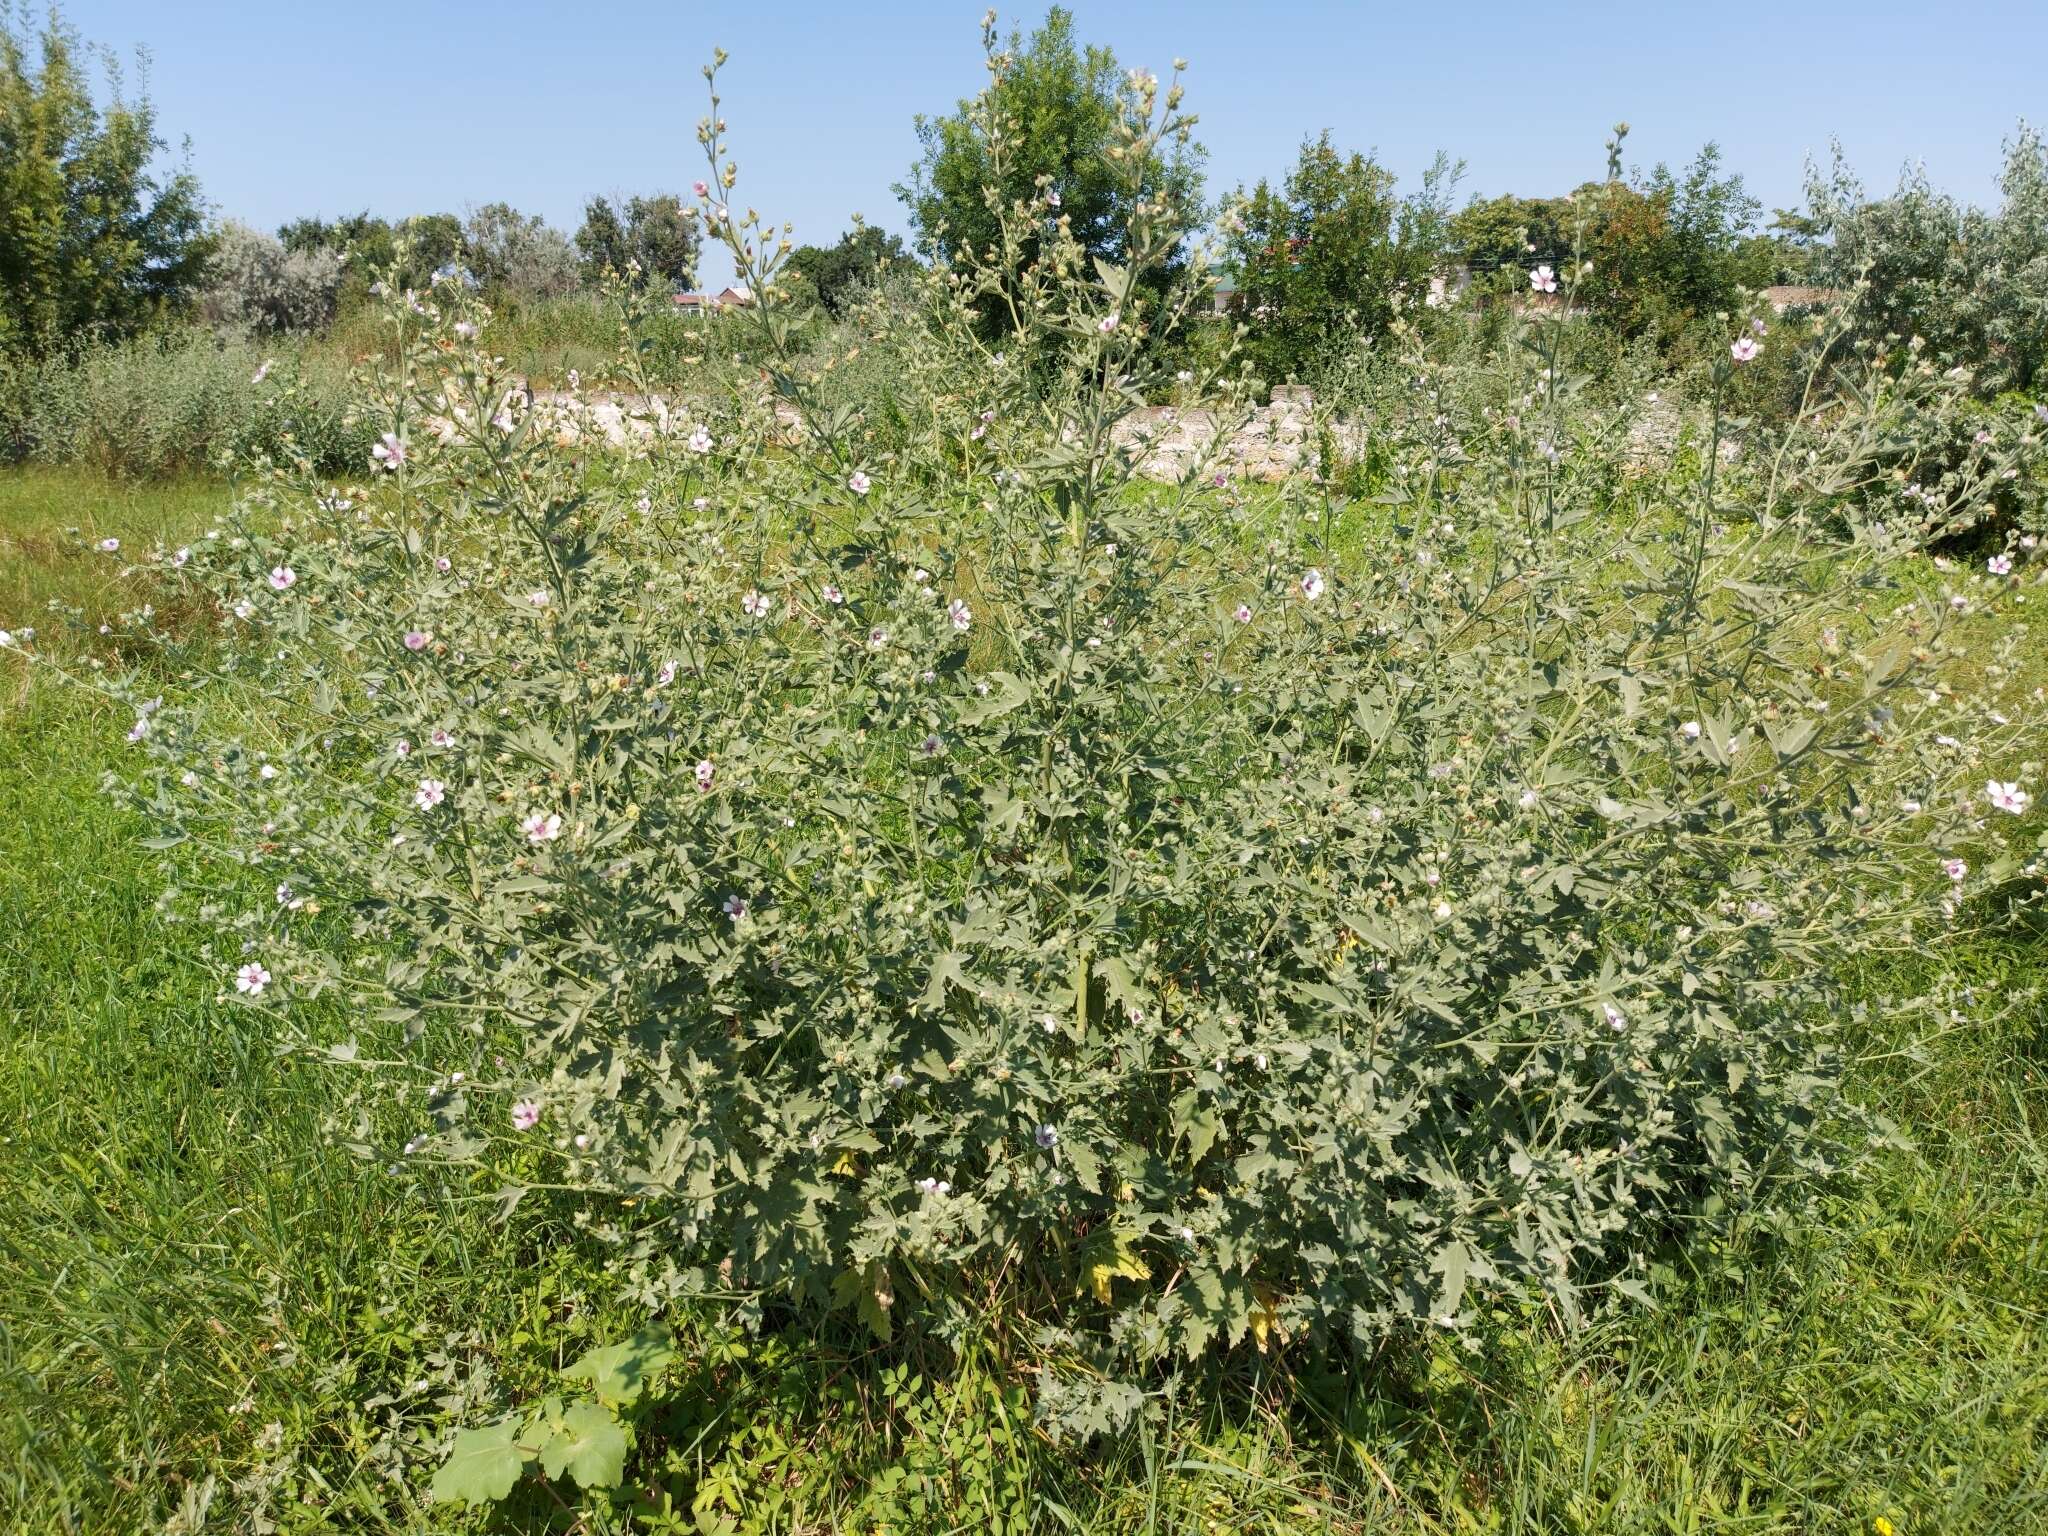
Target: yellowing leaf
844 1164
1265 1318
1108 1255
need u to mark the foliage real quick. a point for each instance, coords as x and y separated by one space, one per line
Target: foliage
1669 251
835 274
410 250
519 254
1970 283
1041 139
879 876
255 286
176 403
92 241
655 236
1326 258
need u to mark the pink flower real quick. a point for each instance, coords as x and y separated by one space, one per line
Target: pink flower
960 614
1955 869
706 771
1759 328
1243 615
441 736
1108 322
1615 1018
417 639
389 452
735 907
443 564
1543 280
525 1115
755 604
252 979
2007 797
700 189
1744 349
665 675
282 577
1311 584
832 594
401 748
430 794
109 546
1999 565
700 441
858 483
541 828
465 330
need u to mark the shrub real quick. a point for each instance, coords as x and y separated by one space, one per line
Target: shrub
256 286
179 402
970 877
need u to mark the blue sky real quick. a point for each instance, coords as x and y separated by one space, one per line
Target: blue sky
294 107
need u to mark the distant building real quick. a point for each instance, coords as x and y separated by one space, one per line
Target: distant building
706 303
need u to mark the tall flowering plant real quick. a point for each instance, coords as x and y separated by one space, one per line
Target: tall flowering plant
892 878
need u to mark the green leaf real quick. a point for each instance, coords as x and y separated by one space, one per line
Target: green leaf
590 1445
619 1373
482 1465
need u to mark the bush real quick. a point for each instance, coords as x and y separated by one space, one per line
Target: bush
256 286
179 402
969 877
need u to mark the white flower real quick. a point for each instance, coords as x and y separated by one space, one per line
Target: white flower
1615 1018
961 615
465 330
832 594
2007 797
252 979
537 598
706 771
1046 1136
109 546
389 452
700 441
541 829
430 794
1955 869
1690 730
267 771
282 578
525 1115
665 674
755 604
1999 565
735 907
263 372
1311 584
1108 322
858 483
1543 280
1744 349
6 640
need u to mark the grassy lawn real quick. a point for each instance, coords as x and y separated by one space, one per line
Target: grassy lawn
212 1311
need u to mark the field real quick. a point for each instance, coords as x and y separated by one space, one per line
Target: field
206 1304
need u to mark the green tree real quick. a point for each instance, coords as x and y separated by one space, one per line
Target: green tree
1670 250
1321 259
836 272
1059 105
91 240
659 233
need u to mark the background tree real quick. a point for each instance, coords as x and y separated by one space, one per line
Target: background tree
658 232
1510 233
836 272
520 253
1667 251
255 285
1321 259
1060 104
90 240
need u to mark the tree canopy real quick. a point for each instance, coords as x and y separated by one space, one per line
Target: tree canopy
92 240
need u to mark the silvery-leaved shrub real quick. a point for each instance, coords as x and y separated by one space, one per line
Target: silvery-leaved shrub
955 872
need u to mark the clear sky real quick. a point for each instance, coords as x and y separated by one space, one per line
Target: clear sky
295 107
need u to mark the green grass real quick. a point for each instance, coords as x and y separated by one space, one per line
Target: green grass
207 1303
